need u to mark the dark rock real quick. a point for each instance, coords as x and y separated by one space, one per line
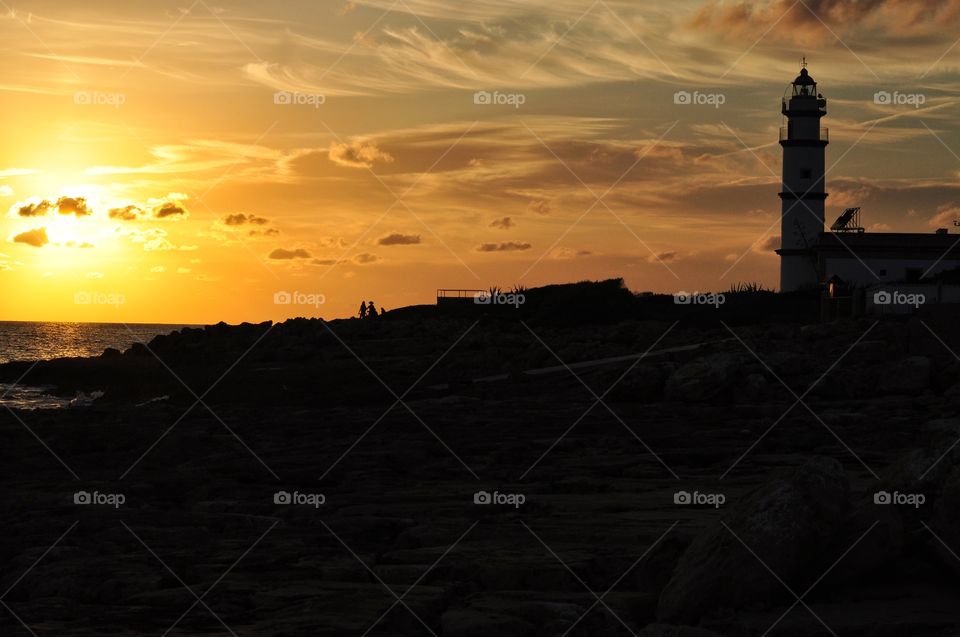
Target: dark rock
705 378
470 623
669 630
880 546
910 375
786 522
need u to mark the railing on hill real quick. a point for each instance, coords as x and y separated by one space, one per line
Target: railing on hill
451 295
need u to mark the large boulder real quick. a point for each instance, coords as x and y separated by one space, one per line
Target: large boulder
705 378
787 522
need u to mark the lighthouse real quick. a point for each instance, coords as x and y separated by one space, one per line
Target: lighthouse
803 193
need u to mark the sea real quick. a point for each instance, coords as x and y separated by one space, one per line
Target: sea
30 341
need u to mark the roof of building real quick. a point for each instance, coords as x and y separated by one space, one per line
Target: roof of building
920 244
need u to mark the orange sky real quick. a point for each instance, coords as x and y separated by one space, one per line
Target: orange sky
186 161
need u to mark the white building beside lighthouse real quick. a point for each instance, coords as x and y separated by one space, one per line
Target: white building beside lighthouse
846 255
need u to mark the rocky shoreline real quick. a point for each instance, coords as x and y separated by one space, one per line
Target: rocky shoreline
386 423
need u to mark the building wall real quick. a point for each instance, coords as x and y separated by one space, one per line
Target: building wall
852 270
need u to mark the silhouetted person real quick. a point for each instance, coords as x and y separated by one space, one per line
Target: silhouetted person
382 311
371 310
363 309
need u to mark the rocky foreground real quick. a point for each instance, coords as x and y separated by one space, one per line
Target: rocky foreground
322 479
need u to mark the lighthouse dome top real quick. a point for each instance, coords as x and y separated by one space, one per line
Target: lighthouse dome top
804 79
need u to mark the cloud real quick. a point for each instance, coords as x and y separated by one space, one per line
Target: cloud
152 239
564 253
365 258
73 206
255 226
94 275
767 244
127 213
663 257
539 206
170 210
64 205
358 154
283 254
945 216
504 223
6 191
508 246
157 269
397 239
36 238
33 209
799 23
241 219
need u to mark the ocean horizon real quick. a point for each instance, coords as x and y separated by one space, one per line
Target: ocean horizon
45 340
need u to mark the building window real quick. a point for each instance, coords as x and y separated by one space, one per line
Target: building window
806 173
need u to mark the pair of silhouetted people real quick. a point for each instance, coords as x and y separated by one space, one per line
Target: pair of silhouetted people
369 310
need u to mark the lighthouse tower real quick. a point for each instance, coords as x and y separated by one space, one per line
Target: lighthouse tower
803 194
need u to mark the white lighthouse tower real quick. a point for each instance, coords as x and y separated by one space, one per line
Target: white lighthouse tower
803 194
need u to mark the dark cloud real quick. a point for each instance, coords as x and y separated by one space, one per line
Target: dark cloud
127 213
539 206
36 238
326 262
806 20
504 223
365 258
397 239
64 205
663 257
170 210
241 219
284 254
35 209
508 246
358 154
73 206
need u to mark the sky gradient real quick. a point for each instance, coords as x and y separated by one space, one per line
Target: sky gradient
187 161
